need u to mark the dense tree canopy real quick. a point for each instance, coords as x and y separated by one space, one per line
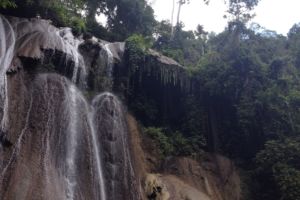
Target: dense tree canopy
124 17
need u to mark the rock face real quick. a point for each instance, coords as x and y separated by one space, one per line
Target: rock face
212 178
101 58
111 126
65 135
53 134
52 145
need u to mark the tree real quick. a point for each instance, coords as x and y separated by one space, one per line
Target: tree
180 3
61 12
94 7
239 14
7 4
126 17
280 159
184 47
172 16
240 10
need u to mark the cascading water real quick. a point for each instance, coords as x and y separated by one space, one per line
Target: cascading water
35 36
97 153
72 104
63 124
71 45
110 123
78 120
109 60
106 64
61 143
7 44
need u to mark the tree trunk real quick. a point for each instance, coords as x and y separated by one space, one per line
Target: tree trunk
213 137
172 18
179 9
91 15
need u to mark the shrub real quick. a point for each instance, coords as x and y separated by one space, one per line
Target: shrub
280 160
7 4
165 146
136 48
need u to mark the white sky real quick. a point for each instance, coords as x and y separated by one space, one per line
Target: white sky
278 15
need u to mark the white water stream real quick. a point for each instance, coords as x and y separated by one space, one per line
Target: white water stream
7 44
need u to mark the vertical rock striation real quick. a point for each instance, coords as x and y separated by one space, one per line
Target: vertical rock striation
110 123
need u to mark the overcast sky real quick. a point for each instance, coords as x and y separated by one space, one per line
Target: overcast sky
278 15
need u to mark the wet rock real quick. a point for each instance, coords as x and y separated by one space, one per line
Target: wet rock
4 142
121 182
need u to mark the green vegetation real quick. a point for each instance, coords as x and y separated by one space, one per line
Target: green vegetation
174 143
280 159
136 47
244 101
244 94
62 13
164 143
7 4
131 17
186 47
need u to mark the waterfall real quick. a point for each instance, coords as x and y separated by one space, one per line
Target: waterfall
107 66
97 154
110 122
7 44
72 104
34 36
109 60
65 147
71 45
80 118
76 117
78 106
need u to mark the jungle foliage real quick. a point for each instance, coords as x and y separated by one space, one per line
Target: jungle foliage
245 101
244 98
